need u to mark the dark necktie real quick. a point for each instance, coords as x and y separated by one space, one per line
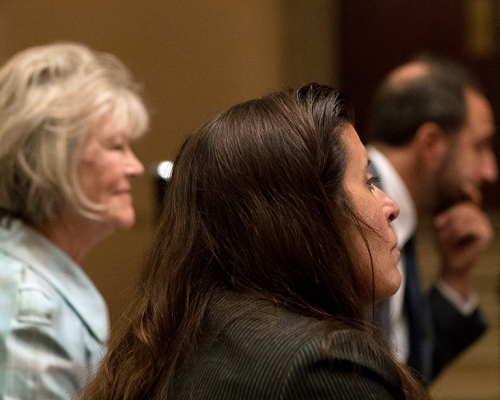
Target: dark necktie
411 305
416 309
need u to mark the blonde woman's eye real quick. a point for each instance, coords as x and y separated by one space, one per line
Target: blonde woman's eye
118 146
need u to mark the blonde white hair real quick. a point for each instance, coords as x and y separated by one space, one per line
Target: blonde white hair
51 99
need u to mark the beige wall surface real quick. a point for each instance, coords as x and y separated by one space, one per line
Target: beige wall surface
194 59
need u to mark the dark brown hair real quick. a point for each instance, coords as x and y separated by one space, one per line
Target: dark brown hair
256 205
437 95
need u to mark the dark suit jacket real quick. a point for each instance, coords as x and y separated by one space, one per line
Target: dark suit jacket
453 332
439 333
253 351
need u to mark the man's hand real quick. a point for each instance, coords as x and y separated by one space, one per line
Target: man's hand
463 233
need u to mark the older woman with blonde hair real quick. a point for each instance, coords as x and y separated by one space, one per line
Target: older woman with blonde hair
67 116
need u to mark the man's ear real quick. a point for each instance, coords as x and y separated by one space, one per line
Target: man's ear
431 145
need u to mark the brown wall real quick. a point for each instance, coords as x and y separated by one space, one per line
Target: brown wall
194 58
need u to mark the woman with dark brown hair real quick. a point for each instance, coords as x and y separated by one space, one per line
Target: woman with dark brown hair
272 242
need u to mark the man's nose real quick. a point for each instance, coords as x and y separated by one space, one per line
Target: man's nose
489 169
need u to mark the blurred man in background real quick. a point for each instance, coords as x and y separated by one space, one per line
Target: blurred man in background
431 132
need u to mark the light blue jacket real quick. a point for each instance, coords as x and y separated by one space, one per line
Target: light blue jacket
53 321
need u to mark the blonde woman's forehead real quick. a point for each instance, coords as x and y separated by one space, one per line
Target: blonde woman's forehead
111 126
126 114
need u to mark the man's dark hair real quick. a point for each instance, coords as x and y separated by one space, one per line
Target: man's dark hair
437 95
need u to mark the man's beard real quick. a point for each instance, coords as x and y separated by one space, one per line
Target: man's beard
447 194
448 185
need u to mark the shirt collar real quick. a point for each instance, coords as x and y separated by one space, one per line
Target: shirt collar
405 225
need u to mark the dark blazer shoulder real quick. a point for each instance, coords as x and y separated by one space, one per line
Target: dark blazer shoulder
277 354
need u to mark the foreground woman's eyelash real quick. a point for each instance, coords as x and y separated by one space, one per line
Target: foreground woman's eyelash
374 179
